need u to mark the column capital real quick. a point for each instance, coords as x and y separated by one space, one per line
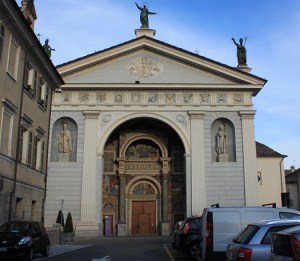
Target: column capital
91 114
247 114
196 114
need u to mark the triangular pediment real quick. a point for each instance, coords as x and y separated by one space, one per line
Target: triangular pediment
151 62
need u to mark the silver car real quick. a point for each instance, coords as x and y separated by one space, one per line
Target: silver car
285 245
254 242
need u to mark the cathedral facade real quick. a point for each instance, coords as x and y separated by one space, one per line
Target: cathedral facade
145 134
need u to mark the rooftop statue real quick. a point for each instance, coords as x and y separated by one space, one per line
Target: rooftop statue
241 51
47 48
144 16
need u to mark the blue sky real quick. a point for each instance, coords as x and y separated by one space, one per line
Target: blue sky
77 28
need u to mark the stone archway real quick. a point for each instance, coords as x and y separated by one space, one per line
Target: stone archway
137 157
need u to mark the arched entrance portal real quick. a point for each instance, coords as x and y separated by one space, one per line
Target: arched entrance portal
144 178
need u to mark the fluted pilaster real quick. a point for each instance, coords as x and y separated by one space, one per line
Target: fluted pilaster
250 160
90 177
198 162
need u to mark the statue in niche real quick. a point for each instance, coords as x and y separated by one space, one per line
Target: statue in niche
221 144
144 16
241 51
65 143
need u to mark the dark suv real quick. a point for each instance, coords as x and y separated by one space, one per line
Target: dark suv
187 237
23 239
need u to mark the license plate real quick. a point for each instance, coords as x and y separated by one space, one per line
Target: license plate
3 249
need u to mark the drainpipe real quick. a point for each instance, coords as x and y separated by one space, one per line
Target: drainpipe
281 172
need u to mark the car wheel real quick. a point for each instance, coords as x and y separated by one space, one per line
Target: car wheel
46 251
194 249
29 255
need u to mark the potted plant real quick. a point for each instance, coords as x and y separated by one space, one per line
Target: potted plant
69 228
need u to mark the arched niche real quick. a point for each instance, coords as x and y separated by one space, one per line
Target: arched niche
64 140
223 141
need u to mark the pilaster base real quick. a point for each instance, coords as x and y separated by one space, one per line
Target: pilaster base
122 229
88 229
144 31
165 228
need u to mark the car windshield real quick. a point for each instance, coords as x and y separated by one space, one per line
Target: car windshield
15 227
246 235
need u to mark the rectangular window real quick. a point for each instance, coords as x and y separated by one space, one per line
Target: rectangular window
12 65
2 34
6 127
30 79
6 132
43 92
26 146
39 154
109 158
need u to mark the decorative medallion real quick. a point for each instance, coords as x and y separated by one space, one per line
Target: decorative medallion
118 98
135 98
238 98
144 67
107 118
180 118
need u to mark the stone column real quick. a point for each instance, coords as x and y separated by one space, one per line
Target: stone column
89 220
198 162
165 224
122 199
122 231
250 160
188 185
100 168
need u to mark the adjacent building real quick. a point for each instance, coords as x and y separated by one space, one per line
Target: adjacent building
270 176
292 177
27 82
145 134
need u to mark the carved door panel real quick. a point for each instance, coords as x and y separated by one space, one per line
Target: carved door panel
143 224
143 217
137 208
150 208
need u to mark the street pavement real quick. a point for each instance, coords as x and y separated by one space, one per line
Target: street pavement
82 243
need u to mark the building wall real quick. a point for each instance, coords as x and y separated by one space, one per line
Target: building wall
272 181
64 178
24 116
224 178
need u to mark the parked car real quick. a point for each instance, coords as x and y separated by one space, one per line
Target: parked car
187 238
285 245
254 242
23 239
221 224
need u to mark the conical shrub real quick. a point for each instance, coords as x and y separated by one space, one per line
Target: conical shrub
60 218
69 224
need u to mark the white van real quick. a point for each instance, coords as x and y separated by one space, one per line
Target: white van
221 224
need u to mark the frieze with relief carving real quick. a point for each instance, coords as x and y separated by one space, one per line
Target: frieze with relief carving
153 98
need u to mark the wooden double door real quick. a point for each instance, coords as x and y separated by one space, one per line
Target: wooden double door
143 217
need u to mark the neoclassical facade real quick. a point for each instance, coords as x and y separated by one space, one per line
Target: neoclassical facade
145 134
